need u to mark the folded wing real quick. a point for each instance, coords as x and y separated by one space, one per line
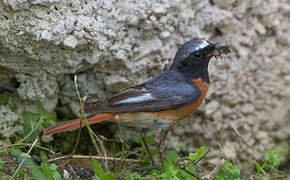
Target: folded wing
148 97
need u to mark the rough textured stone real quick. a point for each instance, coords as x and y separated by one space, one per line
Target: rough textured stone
111 44
9 124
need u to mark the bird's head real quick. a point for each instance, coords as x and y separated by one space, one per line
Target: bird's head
195 55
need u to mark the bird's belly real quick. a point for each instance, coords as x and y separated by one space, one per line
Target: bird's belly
161 119
164 118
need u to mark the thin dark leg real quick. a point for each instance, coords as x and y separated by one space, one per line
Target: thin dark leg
143 134
154 164
160 147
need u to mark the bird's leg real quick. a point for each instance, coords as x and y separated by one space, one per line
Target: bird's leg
154 164
143 136
160 147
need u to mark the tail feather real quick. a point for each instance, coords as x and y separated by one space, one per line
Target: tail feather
75 123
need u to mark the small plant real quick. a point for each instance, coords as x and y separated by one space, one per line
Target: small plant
100 173
32 122
270 167
229 171
15 151
175 167
174 171
132 176
45 171
50 170
198 154
273 160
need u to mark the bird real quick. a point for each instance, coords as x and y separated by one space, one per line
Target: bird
160 102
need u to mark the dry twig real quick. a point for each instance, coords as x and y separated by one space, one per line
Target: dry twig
215 171
28 144
94 157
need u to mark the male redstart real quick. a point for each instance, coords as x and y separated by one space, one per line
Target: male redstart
162 101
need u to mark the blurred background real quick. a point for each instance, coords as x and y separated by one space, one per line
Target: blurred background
111 45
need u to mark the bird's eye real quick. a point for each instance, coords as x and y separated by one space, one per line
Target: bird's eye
197 54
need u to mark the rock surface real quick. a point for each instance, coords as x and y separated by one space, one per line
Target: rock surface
113 44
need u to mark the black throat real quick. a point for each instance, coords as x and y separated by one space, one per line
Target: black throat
193 72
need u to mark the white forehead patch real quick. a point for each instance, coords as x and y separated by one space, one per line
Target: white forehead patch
202 45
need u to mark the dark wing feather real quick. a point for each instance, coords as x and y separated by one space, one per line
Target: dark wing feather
167 91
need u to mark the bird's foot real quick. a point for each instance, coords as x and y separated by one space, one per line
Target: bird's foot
161 150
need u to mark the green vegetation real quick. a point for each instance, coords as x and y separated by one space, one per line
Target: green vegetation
100 173
269 168
43 171
229 171
4 98
176 166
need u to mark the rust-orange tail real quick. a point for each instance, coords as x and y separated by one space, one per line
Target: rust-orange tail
75 123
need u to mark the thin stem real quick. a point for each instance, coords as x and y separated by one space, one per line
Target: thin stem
23 160
83 115
28 144
93 157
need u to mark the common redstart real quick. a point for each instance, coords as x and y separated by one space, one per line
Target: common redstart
162 101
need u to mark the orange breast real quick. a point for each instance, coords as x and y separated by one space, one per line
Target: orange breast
168 117
203 86
187 110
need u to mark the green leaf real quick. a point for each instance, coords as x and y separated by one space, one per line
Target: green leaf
258 168
5 177
97 168
35 170
132 176
172 156
99 172
191 168
15 151
45 166
200 151
1 164
53 167
233 171
192 156
45 115
265 178
41 110
145 162
273 158
26 177
221 175
108 176
137 139
149 139
21 173
197 155
167 166
30 119
56 175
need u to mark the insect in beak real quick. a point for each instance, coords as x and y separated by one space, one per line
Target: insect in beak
219 50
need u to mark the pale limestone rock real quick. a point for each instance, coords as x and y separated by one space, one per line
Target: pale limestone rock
70 41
